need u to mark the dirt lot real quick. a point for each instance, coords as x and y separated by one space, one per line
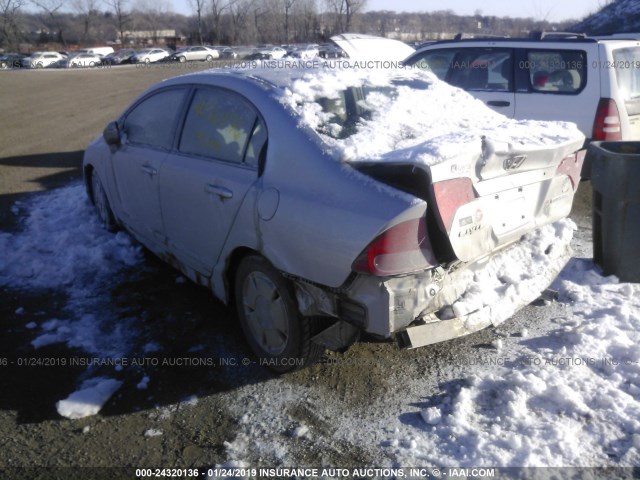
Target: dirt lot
50 116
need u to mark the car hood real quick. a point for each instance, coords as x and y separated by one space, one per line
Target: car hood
370 47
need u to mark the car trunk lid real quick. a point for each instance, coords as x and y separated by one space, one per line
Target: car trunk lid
506 192
483 202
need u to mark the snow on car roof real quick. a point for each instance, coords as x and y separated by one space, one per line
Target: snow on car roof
410 114
413 113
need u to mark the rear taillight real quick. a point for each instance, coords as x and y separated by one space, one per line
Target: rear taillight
451 195
404 248
607 123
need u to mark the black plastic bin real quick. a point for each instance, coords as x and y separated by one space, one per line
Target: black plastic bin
615 178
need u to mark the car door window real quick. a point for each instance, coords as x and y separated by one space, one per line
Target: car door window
556 71
219 125
436 61
471 68
482 69
152 122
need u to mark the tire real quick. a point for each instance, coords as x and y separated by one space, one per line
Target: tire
182 59
276 332
209 58
147 60
101 202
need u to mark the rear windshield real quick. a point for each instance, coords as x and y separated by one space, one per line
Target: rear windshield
627 65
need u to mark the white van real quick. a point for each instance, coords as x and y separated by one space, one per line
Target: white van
101 51
593 82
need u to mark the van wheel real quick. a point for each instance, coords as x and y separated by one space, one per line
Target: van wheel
101 202
276 332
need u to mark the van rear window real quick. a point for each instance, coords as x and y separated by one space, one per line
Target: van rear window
556 71
627 65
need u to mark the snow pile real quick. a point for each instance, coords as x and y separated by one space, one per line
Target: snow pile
87 401
409 114
571 398
513 277
63 245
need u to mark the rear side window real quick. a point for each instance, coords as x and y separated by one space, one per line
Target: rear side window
152 122
627 65
218 125
556 71
472 68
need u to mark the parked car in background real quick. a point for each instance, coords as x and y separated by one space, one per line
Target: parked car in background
79 60
11 60
236 52
99 51
370 47
217 48
187 54
305 51
42 59
330 50
120 57
267 52
310 203
592 82
150 55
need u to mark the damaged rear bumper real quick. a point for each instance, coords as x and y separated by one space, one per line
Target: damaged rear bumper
438 304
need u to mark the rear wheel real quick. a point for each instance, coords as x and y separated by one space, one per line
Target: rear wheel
276 332
209 58
182 59
101 202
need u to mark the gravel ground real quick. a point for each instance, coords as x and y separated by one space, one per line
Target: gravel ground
242 412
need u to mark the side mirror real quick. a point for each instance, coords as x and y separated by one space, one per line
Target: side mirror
111 134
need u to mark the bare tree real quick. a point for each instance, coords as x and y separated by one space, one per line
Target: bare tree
239 12
198 6
51 8
122 17
344 11
287 4
87 11
351 8
9 12
155 14
218 8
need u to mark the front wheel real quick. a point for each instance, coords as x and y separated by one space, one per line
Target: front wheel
276 332
101 202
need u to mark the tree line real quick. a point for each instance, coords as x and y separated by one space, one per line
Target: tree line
70 23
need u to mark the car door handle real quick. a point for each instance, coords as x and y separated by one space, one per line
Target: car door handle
222 192
498 103
149 169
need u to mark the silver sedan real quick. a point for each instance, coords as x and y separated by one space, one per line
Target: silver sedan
237 178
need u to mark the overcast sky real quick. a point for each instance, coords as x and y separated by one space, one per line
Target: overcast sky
553 10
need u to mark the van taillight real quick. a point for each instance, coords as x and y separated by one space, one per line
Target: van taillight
607 123
404 248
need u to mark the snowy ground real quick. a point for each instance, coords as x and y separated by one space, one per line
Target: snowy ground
558 385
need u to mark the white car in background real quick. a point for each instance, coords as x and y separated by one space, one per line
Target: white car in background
268 52
150 55
198 52
305 51
42 59
80 60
